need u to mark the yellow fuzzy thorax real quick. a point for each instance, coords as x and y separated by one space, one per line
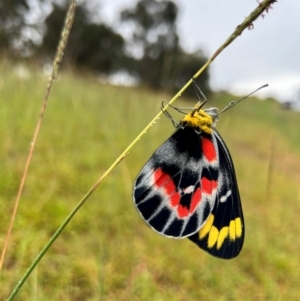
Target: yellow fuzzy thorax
200 120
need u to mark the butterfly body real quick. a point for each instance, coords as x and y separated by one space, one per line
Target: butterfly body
188 188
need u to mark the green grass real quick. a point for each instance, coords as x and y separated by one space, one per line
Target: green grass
107 252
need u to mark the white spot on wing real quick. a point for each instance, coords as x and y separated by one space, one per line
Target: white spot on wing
225 197
189 189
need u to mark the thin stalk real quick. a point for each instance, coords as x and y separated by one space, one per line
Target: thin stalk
56 64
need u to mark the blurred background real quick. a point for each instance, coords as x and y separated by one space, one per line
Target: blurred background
123 59
171 37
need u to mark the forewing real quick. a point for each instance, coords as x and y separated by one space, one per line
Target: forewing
223 233
175 191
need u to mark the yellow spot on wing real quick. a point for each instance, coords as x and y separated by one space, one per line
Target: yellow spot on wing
213 237
238 227
232 235
222 236
216 237
207 226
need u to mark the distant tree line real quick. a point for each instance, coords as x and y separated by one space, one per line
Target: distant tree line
151 51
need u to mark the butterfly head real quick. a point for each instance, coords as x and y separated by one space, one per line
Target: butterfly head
201 120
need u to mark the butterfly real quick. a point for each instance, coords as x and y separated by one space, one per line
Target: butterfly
188 187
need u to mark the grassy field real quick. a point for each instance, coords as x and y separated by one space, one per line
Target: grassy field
107 252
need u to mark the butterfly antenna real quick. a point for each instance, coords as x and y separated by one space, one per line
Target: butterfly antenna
233 103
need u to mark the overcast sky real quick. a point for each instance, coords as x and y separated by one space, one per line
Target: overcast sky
269 53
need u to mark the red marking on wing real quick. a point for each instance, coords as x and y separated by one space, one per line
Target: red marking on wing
175 199
182 211
164 181
196 199
208 149
208 185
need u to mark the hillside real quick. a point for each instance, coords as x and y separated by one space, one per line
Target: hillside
107 252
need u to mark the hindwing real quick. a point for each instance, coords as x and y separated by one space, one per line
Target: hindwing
223 233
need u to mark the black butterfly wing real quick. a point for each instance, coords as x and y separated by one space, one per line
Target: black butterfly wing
223 233
175 192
